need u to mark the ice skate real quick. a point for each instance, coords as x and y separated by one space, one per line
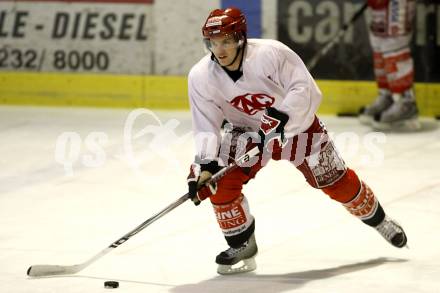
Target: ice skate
382 102
238 260
392 232
401 115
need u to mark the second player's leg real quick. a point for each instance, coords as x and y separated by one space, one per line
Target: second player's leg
390 32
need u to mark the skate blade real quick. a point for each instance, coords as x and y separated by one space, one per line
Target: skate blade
407 125
412 125
243 266
365 119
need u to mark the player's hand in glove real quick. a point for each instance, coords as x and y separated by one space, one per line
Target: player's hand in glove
198 187
272 128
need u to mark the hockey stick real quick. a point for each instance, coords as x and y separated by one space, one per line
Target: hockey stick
51 270
324 50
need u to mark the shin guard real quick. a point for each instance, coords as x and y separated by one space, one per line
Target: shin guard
399 67
365 206
357 197
235 221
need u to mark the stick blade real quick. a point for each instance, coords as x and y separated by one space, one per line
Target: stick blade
51 270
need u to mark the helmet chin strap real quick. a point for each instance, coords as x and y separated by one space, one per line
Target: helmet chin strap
236 56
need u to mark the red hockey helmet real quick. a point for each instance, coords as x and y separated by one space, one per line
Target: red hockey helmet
230 21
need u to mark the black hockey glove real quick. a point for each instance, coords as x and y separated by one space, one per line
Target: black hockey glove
272 128
199 174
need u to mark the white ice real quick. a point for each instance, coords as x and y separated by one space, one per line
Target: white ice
55 213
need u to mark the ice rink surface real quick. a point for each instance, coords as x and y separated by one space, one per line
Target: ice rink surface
72 181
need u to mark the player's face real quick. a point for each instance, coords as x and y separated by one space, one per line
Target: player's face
224 49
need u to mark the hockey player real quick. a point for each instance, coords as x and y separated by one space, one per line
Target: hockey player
390 33
266 93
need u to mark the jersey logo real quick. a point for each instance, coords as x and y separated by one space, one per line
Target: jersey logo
252 103
268 124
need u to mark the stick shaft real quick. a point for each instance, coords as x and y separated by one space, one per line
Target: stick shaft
216 177
323 51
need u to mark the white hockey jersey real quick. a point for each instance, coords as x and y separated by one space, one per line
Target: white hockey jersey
273 76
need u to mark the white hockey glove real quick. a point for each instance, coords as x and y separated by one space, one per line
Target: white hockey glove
198 187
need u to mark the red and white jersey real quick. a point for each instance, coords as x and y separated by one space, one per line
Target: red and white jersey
273 76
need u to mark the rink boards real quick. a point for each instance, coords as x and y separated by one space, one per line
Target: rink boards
116 53
170 92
